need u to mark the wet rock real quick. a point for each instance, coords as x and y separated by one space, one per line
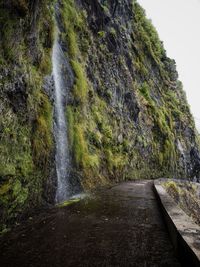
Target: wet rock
132 105
17 94
195 159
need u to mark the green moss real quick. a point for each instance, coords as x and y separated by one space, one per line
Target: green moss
102 34
95 138
73 47
9 26
107 131
45 64
116 162
73 21
13 197
145 91
80 146
164 140
140 66
113 32
171 185
166 153
81 86
20 194
83 158
16 158
4 189
42 139
22 176
98 116
71 15
147 34
68 202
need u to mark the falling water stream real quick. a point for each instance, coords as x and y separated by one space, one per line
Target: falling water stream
61 75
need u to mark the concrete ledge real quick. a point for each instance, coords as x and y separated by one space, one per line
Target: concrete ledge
184 233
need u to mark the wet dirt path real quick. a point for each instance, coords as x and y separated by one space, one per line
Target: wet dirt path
121 226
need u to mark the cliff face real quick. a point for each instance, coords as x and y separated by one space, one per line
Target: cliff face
26 140
127 114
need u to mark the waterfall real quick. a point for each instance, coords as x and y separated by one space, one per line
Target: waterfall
63 80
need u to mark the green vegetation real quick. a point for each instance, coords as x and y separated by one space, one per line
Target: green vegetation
94 132
163 133
147 33
116 162
113 31
68 202
73 21
26 112
145 91
101 34
186 195
173 188
81 86
42 140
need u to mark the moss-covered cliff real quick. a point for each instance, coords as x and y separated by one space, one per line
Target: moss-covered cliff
127 114
26 142
128 117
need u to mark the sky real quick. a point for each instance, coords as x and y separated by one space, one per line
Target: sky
178 25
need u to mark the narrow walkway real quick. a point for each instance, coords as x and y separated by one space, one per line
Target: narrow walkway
121 226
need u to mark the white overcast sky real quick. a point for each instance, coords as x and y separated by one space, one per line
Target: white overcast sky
178 25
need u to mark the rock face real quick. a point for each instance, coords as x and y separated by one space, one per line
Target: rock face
26 140
127 114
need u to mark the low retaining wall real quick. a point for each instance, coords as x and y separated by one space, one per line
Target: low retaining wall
184 233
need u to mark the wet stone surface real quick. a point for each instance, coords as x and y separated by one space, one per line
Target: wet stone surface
121 226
